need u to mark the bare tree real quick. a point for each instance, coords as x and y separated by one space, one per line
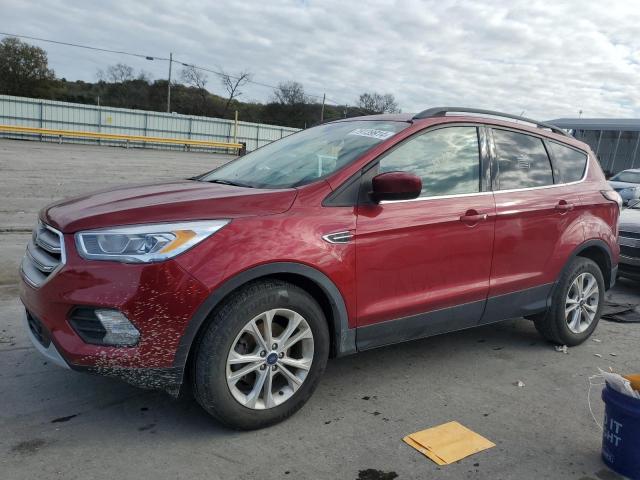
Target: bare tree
144 76
376 103
194 77
289 93
117 73
232 84
198 79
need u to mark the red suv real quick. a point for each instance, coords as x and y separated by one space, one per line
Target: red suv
344 237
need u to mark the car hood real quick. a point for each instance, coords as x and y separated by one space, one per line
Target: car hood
164 202
630 220
621 185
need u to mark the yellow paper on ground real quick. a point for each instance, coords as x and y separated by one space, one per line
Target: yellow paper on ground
448 443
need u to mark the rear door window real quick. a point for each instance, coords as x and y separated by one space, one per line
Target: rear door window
522 161
570 163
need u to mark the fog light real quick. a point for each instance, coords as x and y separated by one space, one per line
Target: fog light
120 331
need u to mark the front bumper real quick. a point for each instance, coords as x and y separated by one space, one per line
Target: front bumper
159 299
629 262
46 348
629 267
167 379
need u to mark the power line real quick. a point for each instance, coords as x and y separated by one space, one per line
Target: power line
223 74
153 57
139 55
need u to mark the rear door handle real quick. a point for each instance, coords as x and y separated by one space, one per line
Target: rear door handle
564 206
472 216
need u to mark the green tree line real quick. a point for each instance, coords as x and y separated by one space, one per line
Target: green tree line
24 71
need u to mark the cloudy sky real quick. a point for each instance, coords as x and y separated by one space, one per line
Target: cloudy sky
546 58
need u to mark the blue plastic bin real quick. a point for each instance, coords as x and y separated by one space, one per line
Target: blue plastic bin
621 433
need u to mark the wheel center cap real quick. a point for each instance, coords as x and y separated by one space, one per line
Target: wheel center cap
272 358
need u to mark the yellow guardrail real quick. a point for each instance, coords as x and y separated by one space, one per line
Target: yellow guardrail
113 136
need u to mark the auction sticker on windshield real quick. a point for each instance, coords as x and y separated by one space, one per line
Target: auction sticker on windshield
372 133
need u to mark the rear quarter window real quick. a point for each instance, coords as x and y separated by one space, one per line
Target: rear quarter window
522 161
569 163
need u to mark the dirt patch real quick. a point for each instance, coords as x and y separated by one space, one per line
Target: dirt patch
29 447
63 419
372 474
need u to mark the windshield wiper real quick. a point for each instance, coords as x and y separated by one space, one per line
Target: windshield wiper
229 182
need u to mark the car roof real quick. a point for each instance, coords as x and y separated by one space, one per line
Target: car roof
474 118
395 117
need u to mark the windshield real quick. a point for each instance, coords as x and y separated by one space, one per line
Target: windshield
628 177
305 156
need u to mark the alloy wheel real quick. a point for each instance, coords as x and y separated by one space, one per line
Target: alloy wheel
270 359
581 304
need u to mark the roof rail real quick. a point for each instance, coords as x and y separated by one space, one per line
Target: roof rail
442 111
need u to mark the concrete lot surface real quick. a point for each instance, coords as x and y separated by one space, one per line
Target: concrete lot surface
61 424
34 173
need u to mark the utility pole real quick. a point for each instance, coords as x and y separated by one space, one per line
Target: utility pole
324 95
235 128
169 84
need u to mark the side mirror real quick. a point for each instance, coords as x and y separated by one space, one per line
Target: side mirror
396 186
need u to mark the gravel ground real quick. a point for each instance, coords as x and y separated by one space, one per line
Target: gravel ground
61 424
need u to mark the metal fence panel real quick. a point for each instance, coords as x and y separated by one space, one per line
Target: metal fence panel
32 112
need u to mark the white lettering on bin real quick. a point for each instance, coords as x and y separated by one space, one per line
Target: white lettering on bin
612 430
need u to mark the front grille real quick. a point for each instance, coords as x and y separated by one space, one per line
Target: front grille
629 234
626 269
45 254
87 326
38 329
630 251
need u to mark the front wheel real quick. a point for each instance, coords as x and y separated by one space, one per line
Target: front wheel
576 304
261 355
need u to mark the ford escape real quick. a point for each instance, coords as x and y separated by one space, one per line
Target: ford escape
344 237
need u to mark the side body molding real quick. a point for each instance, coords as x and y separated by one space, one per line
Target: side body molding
344 337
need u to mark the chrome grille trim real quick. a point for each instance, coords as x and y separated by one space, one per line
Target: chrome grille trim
45 255
43 261
44 239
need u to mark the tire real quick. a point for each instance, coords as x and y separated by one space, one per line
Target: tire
560 327
235 403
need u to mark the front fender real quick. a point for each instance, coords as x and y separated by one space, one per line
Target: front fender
344 337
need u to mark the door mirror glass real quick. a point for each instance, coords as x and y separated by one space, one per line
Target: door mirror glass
396 186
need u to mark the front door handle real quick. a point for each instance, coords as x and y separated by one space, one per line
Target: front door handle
473 217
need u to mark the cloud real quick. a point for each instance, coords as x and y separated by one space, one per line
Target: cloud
548 59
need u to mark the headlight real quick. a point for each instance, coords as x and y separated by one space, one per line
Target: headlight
144 243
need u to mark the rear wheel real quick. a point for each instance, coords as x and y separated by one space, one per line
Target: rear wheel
261 356
576 304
